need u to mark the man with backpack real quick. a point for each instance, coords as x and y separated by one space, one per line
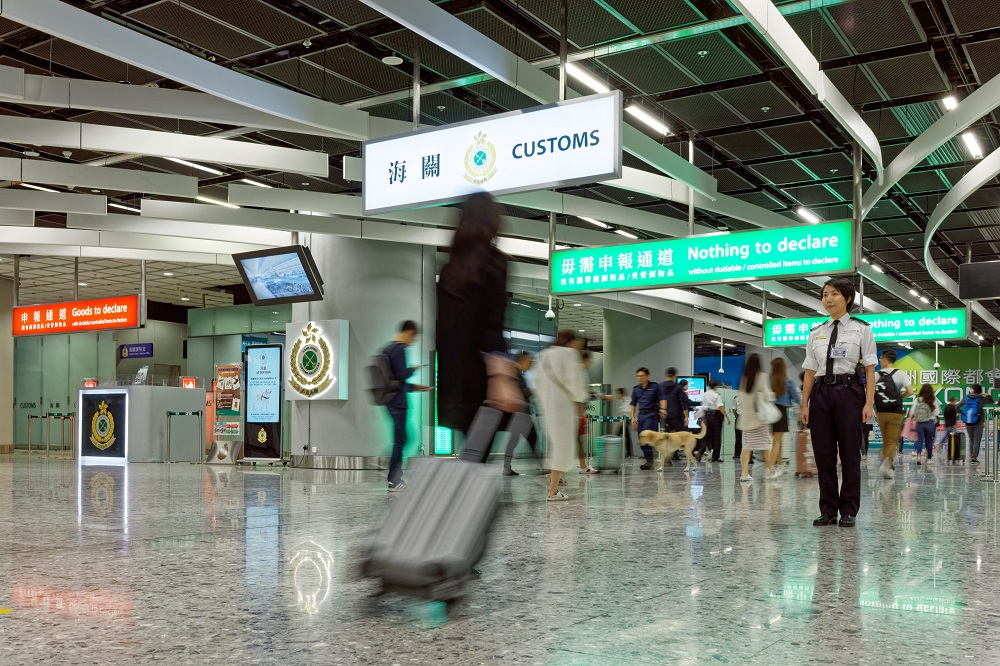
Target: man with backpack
972 414
393 394
891 387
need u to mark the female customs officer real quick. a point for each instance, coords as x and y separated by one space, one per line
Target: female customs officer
837 400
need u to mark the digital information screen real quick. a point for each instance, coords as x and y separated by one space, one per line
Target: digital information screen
695 391
277 276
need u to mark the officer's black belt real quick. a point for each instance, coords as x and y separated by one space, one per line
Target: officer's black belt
851 378
648 411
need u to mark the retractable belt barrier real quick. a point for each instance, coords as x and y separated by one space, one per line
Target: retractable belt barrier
48 417
201 420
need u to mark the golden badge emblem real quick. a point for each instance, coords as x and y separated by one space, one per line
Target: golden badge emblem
262 436
480 160
102 427
309 363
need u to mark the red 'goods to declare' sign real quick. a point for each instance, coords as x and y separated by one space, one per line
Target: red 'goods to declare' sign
100 314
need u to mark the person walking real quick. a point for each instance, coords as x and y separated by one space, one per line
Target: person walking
645 404
398 406
754 386
891 388
837 399
950 420
739 433
714 412
522 365
972 415
783 387
561 385
473 365
925 411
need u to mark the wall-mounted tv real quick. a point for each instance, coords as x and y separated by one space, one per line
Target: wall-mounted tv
280 275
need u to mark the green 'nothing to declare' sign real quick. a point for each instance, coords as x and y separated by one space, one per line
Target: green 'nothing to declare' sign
889 327
821 249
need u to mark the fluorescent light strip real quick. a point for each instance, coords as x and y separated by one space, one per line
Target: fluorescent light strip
38 187
877 268
808 215
645 117
596 223
216 202
254 183
950 102
626 234
973 145
586 78
913 292
123 207
214 172
925 299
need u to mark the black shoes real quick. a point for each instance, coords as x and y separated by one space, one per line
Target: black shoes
648 464
847 521
510 472
827 519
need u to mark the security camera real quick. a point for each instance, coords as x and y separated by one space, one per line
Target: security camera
550 315
67 153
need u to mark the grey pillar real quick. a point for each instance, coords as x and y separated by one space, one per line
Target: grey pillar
657 343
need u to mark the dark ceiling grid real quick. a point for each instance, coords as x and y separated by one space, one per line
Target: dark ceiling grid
871 26
90 62
307 77
258 19
195 28
984 58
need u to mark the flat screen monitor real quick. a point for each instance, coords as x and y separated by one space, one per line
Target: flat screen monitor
695 391
280 275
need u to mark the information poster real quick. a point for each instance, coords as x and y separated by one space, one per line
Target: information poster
103 424
228 389
262 435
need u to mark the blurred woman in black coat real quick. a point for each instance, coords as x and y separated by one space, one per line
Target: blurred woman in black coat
472 297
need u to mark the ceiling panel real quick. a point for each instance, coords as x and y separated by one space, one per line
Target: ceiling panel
503 95
201 31
876 25
259 19
702 112
782 172
748 145
760 101
985 58
812 195
349 12
922 181
90 62
799 137
656 16
828 166
854 83
762 199
907 76
589 23
814 30
973 15
648 70
432 56
309 78
729 180
721 60
503 33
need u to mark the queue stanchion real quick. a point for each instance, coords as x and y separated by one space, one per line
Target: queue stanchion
990 462
63 417
200 414
31 417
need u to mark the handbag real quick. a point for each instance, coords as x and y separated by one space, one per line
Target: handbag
502 389
909 429
767 411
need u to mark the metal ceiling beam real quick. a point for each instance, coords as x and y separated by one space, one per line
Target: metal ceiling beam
987 169
968 111
435 24
102 138
778 33
56 202
62 93
92 32
178 228
79 175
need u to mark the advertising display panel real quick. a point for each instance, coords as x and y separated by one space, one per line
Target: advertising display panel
262 435
228 389
103 425
801 251
695 392
889 327
99 314
577 141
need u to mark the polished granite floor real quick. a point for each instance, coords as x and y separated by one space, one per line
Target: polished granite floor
185 564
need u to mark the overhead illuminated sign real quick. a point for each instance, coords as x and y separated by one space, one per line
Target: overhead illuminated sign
815 249
577 141
890 327
100 314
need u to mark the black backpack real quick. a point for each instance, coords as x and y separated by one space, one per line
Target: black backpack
382 385
887 395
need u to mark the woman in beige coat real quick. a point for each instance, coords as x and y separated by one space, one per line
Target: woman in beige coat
560 384
756 435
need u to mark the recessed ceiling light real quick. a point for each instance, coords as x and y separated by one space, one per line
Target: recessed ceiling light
216 202
702 53
274 312
441 107
913 292
808 215
30 153
96 191
254 183
586 78
392 60
582 330
925 299
130 209
168 274
185 298
305 184
765 109
200 167
576 305
973 145
596 223
626 234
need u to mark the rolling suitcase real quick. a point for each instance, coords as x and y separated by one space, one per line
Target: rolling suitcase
805 461
956 447
608 452
437 530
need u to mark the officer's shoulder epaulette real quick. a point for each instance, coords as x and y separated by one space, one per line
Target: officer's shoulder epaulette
861 321
818 325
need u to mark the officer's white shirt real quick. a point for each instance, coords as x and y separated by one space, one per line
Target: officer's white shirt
855 342
711 400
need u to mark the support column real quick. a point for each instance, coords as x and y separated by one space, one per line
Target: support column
6 364
630 342
375 286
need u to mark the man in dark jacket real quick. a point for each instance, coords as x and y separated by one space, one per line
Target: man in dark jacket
398 406
673 402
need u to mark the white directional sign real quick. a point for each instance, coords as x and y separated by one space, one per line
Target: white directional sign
578 141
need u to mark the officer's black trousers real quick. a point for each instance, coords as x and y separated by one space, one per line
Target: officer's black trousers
835 427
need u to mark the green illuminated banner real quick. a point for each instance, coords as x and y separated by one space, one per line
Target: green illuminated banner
821 249
890 327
